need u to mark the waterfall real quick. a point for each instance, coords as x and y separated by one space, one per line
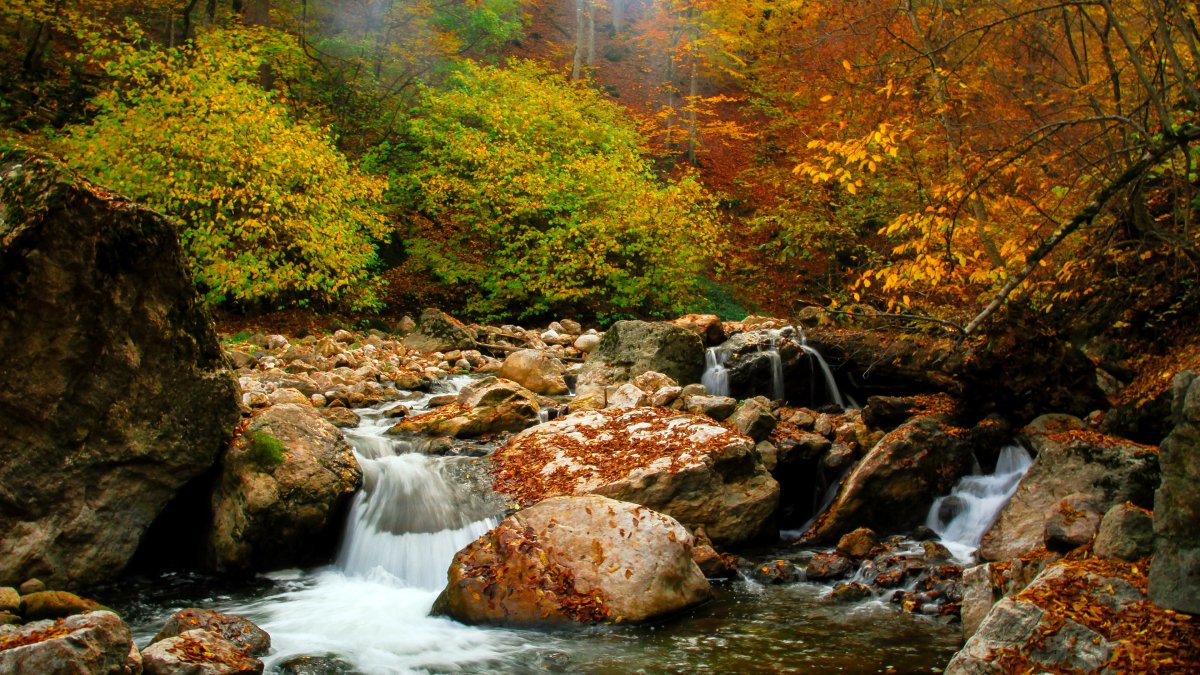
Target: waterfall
962 517
831 387
777 389
716 377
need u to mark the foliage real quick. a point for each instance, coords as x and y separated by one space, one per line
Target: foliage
535 194
269 210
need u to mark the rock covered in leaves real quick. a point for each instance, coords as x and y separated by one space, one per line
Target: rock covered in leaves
631 348
682 465
115 390
237 629
285 483
96 642
893 486
1175 574
198 652
487 406
575 559
1082 615
984 585
1070 460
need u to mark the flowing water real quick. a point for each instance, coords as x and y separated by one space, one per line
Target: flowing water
716 376
716 371
962 517
371 608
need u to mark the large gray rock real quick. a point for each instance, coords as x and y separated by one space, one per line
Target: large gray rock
115 390
1127 532
1175 572
631 348
984 585
97 642
1069 460
892 488
284 487
575 559
437 331
685 466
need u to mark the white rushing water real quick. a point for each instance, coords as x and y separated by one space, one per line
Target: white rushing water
962 517
372 608
716 376
716 371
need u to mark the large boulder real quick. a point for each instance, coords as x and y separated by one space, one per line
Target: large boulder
198 652
97 642
631 348
285 484
707 326
116 392
535 370
1080 616
1175 573
893 486
437 331
1070 460
575 559
686 466
486 406
239 630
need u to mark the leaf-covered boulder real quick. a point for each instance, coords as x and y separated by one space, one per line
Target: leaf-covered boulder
575 559
683 465
115 392
96 642
198 652
239 630
285 484
1070 460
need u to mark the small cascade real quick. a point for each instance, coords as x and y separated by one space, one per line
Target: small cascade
831 387
772 351
716 377
961 518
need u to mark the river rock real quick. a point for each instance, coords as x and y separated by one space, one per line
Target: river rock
707 326
586 344
754 418
486 406
314 665
628 395
893 486
1072 523
1052 626
1127 532
858 544
198 652
284 486
984 585
54 605
97 642
535 370
237 629
717 407
115 391
1069 460
10 599
437 331
828 565
631 348
1175 572
683 465
575 559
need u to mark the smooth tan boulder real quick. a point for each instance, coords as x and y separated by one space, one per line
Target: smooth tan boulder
487 406
575 559
683 465
96 642
535 370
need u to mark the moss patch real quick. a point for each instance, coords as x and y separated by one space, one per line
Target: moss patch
264 449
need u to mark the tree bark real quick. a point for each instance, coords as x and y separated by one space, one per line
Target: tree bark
580 29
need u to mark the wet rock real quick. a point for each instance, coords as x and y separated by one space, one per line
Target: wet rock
893 486
685 466
97 642
935 552
486 406
858 544
437 331
847 592
707 326
284 486
535 370
838 459
1175 572
54 605
631 348
343 418
887 412
315 665
1070 460
716 407
1126 532
1072 523
237 629
116 392
198 652
828 565
776 572
10 599
711 563
754 418
575 559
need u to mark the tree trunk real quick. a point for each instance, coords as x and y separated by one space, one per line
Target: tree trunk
693 95
591 33
618 15
580 29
